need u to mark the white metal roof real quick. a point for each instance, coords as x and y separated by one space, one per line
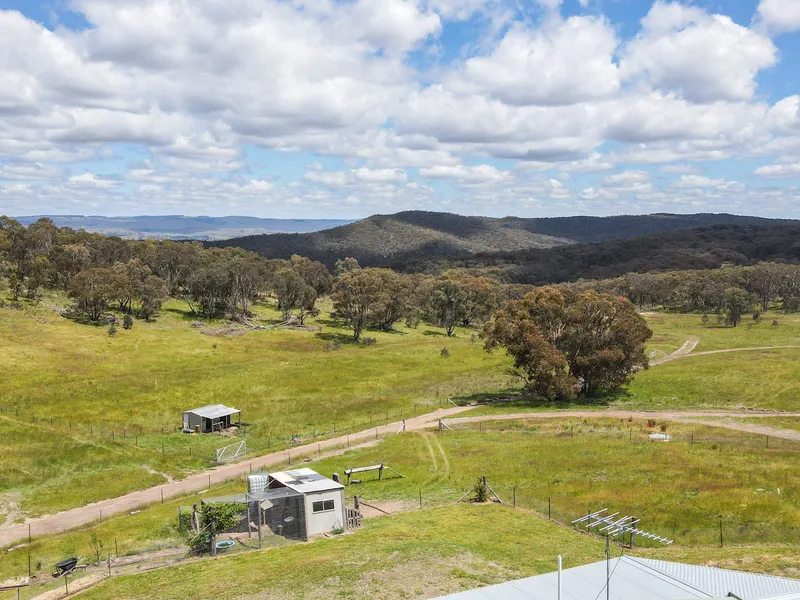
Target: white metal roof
306 481
640 579
214 411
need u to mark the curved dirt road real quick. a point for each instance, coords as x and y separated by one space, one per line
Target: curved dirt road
687 350
667 415
10 534
688 346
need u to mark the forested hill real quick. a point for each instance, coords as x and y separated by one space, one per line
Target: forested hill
699 248
402 240
411 240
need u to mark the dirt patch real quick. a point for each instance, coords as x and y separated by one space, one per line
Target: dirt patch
9 508
166 476
379 508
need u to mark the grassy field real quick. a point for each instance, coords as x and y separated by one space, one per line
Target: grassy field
420 554
719 337
763 379
745 379
788 423
85 416
67 389
678 489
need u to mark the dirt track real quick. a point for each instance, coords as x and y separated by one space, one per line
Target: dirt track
666 415
10 534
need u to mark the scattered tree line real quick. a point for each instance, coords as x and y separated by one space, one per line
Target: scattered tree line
100 272
380 298
728 292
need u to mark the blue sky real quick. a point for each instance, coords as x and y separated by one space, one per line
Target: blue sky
336 109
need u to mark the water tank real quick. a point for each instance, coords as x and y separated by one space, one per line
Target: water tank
257 482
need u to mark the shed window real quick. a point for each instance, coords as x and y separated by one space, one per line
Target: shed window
323 506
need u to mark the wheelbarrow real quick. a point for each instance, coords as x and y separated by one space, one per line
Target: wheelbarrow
65 566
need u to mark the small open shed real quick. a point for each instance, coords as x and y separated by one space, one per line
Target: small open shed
207 419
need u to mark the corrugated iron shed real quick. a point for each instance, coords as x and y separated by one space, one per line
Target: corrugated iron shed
641 579
214 411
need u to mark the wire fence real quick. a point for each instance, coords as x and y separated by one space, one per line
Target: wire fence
170 441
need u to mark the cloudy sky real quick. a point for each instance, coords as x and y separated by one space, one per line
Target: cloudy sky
342 109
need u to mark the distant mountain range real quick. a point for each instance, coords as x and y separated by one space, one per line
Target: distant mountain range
412 240
186 228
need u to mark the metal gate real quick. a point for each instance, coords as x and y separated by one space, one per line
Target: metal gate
232 452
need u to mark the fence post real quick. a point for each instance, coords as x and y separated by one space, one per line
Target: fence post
721 542
548 508
116 547
260 520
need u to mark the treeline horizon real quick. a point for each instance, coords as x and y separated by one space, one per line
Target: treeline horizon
135 277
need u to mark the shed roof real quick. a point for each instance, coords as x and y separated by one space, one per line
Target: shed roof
214 411
306 481
641 579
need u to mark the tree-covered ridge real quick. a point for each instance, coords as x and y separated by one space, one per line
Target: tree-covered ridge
412 241
691 249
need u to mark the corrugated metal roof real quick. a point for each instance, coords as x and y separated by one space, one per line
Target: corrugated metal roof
214 411
306 481
639 579
721 582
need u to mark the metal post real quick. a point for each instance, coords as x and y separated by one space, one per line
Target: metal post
608 568
721 542
162 496
260 522
560 561
548 508
116 548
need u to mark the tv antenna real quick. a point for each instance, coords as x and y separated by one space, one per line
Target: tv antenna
613 525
